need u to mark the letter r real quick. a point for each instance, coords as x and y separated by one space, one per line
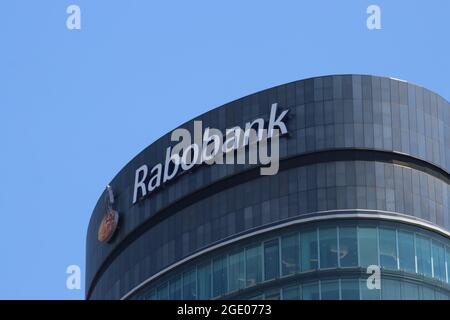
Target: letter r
139 184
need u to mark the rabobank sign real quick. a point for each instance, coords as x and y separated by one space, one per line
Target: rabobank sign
212 146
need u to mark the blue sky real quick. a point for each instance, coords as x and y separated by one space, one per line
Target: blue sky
77 105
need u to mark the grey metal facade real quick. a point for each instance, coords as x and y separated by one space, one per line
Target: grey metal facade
359 148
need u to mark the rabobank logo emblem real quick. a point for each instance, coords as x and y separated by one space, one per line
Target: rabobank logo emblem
109 222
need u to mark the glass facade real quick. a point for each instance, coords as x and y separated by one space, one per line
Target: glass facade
337 246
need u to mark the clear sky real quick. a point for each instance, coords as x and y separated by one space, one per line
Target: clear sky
77 105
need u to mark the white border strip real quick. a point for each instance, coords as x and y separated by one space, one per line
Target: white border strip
376 214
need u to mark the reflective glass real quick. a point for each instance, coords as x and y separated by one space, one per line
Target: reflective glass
236 271
189 285
204 281
368 246
310 291
350 289
220 276
406 251
271 260
439 261
290 254
423 252
348 246
308 243
328 248
388 248
253 265
175 288
329 290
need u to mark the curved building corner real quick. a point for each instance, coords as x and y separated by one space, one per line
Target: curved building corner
363 181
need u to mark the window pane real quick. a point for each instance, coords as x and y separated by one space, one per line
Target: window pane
348 247
237 271
163 292
175 289
366 293
328 248
189 285
271 260
439 261
291 293
308 243
290 254
253 265
272 295
220 277
388 248
410 291
423 251
330 290
204 281
390 289
350 289
406 254
310 291
427 293
447 257
368 246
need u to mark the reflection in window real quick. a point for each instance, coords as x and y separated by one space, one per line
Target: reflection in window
271 260
290 254
328 248
220 276
406 251
329 290
189 285
253 265
204 281
236 271
388 248
368 246
439 261
410 291
390 289
308 243
310 291
423 252
348 247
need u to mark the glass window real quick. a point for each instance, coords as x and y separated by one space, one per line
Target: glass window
272 295
204 281
390 289
236 271
290 257
328 247
163 292
189 285
368 246
439 261
423 252
150 295
388 248
253 265
410 291
427 293
308 243
271 260
366 293
291 293
350 289
175 288
447 258
310 291
329 290
220 277
406 251
348 247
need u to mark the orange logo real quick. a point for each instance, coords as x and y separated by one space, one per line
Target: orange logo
109 221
